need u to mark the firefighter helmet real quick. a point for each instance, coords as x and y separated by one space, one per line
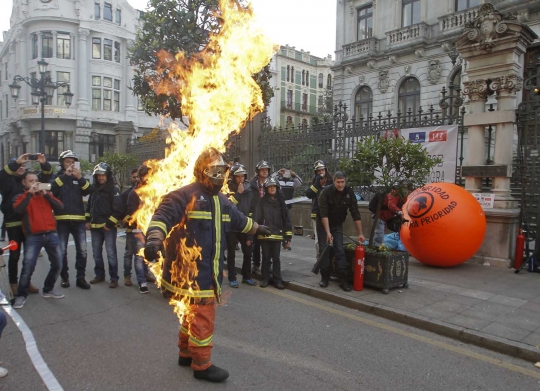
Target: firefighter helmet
262 164
319 165
238 169
67 154
211 165
102 169
271 182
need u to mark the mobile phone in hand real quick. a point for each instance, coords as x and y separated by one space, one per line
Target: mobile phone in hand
44 186
287 174
32 156
77 165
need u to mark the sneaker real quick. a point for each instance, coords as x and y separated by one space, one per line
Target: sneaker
97 280
19 302
149 278
3 372
127 281
212 373
234 284
65 283
113 284
250 282
143 288
52 295
32 289
81 283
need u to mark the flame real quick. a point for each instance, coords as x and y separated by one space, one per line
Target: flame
218 95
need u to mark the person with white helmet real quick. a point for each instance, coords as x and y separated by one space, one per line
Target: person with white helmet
104 209
70 186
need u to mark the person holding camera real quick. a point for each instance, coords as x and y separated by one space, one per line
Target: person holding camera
10 186
321 179
240 194
36 205
288 181
69 186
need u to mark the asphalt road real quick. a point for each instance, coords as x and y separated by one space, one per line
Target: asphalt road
118 339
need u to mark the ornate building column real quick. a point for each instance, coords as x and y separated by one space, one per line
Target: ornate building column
12 61
82 74
23 65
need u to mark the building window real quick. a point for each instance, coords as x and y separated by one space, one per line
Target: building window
54 144
34 46
321 79
107 49
329 81
47 76
289 98
62 77
107 11
365 23
96 47
303 77
96 93
363 103
307 78
288 72
117 51
288 122
140 106
97 11
409 96
304 102
47 45
101 143
63 46
292 74
118 16
105 94
462 5
410 12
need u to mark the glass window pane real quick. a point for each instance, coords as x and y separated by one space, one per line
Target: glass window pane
107 82
416 12
116 84
407 15
117 51
96 80
118 16
107 49
97 11
116 105
96 47
107 12
96 99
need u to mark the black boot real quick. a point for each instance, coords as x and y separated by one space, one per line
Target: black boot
325 278
81 283
184 361
344 281
212 373
279 285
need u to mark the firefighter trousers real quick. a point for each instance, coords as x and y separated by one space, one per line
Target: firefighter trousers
196 333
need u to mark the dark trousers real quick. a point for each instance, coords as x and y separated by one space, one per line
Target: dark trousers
339 249
78 231
100 236
232 237
3 234
16 234
256 252
271 250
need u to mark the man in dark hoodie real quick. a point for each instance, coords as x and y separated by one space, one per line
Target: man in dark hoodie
272 213
69 186
262 172
10 186
240 194
104 211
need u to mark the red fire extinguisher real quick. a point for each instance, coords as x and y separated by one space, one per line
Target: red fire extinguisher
359 255
520 243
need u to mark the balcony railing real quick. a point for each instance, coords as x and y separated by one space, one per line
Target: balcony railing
457 20
298 107
406 35
359 48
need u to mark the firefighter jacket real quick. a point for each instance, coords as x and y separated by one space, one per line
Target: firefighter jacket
287 185
272 212
133 203
104 206
334 205
127 215
313 191
11 185
37 212
246 202
203 220
70 190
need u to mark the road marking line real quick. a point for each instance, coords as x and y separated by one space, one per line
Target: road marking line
395 330
31 348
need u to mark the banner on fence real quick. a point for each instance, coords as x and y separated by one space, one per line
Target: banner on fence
441 142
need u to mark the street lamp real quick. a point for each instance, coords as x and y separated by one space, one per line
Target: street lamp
42 89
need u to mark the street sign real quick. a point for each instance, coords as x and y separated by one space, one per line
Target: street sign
486 200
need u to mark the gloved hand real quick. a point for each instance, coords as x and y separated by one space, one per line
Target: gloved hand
263 230
154 244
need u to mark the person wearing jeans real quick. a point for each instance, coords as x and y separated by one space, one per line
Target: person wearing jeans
100 236
36 207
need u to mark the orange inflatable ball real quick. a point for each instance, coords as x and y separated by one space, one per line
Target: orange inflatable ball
446 225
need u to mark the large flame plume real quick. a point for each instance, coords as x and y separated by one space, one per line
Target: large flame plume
218 95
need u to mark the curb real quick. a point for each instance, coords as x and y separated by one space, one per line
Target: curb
469 336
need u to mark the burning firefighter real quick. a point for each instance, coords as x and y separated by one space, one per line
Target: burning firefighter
201 216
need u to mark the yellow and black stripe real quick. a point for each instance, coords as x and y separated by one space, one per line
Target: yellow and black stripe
70 217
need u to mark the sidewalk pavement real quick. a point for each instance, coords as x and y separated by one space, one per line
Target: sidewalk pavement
491 307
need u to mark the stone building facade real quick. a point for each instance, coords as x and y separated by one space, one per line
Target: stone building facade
85 43
299 80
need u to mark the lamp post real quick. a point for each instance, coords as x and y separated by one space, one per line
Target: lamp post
42 89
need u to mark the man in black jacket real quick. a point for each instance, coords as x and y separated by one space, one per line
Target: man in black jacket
240 194
321 179
334 203
262 172
69 186
105 210
10 186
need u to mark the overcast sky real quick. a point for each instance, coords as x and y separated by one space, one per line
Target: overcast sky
306 24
